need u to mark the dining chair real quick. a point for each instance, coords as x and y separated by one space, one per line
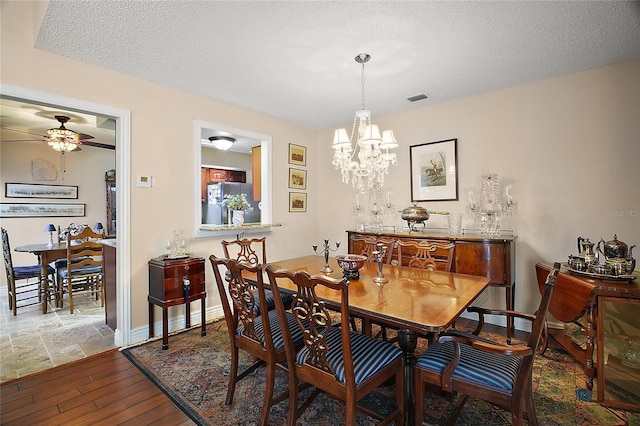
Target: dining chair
60 264
24 291
256 331
83 269
432 255
467 363
252 251
343 364
370 244
246 250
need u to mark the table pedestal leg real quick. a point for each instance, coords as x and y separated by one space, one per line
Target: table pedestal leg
44 283
408 342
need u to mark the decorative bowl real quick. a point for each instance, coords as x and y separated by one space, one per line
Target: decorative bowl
350 264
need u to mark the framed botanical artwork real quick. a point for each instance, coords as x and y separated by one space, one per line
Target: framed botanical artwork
297 154
297 201
38 190
434 171
297 178
41 210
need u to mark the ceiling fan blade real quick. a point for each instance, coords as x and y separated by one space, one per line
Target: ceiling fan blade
97 144
83 136
24 140
22 131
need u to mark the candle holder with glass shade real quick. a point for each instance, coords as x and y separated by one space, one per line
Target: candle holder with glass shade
493 205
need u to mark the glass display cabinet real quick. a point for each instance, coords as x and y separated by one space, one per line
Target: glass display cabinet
110 183
618 358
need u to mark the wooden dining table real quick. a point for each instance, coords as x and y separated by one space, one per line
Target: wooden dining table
417 302
46 254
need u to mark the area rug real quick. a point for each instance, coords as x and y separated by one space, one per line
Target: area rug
193 372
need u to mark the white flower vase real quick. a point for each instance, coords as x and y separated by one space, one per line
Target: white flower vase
238 217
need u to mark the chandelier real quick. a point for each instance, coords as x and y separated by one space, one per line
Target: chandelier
368 167
62 139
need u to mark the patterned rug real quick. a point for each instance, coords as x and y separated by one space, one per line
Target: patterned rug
193 372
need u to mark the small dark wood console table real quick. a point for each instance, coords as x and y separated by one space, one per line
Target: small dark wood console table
575 296
176 282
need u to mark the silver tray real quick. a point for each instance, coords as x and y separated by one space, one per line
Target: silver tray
608 277
184 256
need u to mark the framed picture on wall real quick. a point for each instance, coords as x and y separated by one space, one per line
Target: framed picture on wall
434 171
297 178
297 154
38 190
297 201
41 210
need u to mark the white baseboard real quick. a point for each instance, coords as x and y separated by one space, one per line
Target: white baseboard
141 334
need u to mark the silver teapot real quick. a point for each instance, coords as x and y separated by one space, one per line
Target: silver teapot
586 251
618 255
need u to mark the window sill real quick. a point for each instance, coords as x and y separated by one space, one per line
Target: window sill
210 230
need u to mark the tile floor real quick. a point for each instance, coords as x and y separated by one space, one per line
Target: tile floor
32 342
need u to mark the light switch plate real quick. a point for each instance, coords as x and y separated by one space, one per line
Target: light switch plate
143 181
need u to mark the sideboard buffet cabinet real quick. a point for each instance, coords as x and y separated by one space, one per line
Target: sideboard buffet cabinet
474 254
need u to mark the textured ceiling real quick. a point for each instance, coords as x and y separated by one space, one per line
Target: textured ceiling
295 60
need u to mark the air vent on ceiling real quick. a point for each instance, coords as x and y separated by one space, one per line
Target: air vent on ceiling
417 97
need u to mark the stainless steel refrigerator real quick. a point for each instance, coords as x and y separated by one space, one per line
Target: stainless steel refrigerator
214 213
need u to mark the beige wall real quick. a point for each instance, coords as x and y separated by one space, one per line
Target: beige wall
84 169
569 145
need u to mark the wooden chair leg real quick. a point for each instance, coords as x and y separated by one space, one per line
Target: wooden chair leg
457 410
268 394
528 404
351 411
233 376
293 400
70 290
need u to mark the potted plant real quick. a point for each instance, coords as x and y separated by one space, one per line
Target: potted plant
239 204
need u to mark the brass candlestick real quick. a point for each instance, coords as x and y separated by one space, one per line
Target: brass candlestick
378 256
326 250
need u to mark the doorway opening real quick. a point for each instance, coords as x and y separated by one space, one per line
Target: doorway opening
122 118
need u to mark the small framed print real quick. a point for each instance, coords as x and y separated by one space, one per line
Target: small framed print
434 171
297 201
297 154
297 178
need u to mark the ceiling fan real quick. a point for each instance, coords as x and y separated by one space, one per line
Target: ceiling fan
62 139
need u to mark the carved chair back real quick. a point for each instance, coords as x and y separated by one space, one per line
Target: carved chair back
432 255
252 251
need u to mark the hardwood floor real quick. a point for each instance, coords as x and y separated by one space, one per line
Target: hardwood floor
105 389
